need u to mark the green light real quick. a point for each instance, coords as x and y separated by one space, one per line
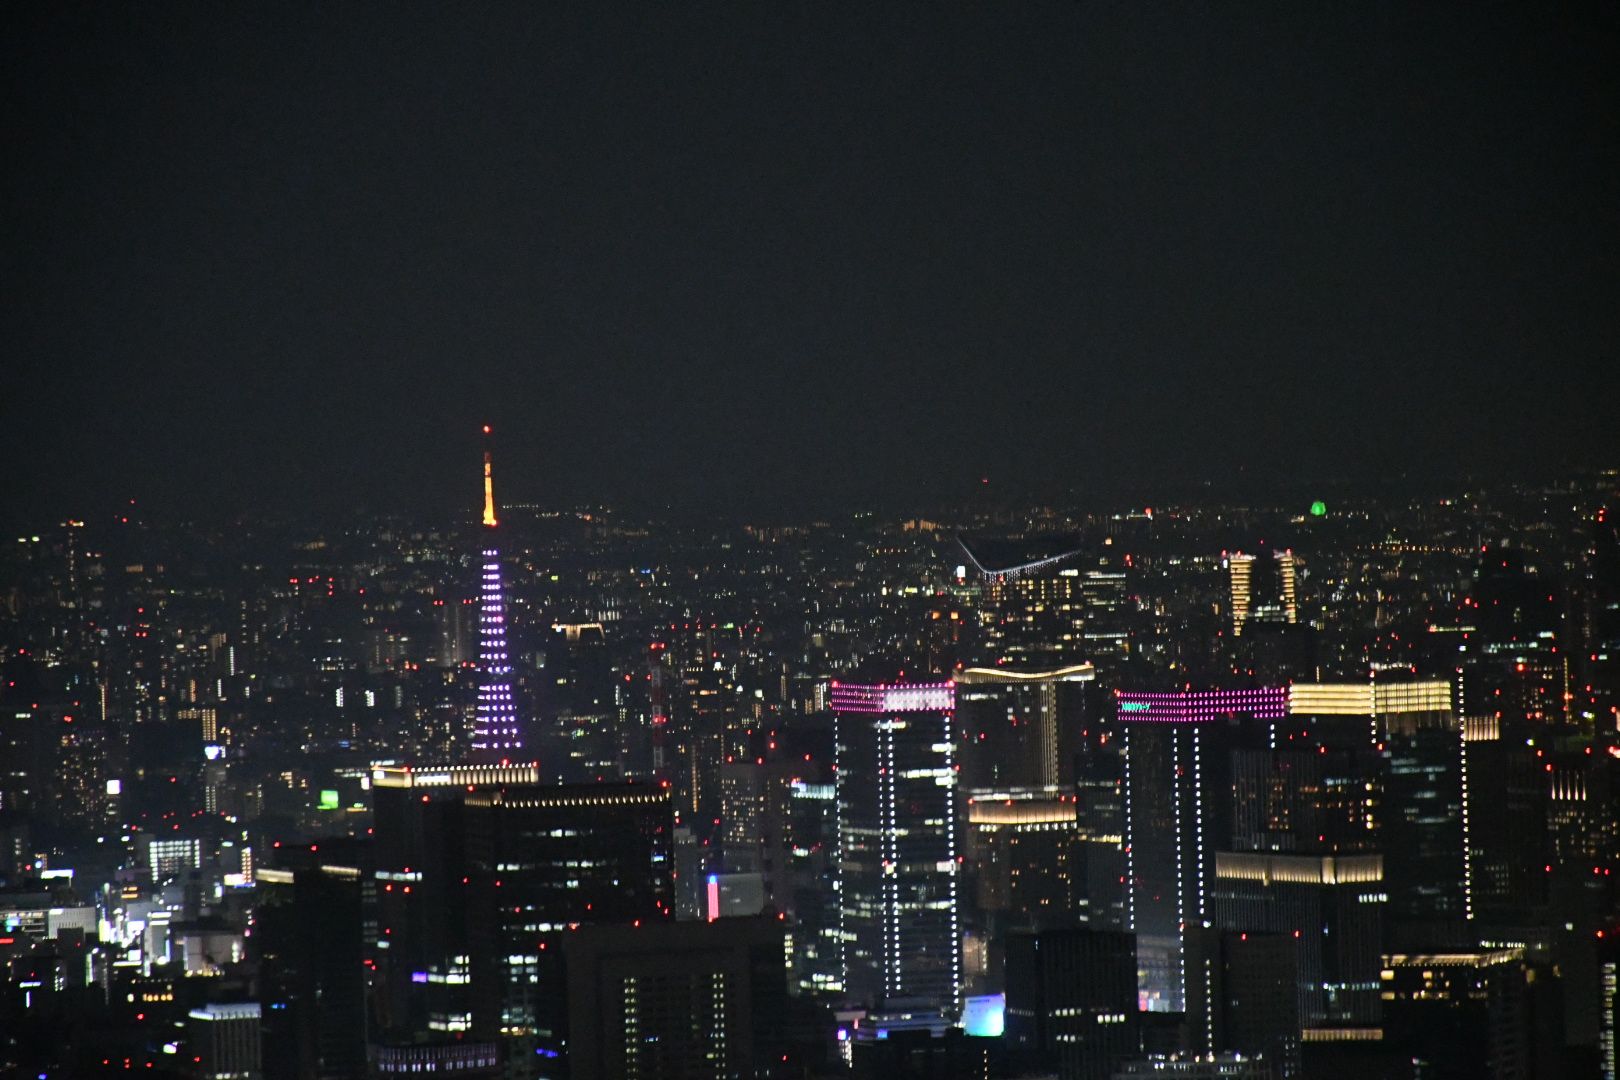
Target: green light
1318 508
329 799
1133 706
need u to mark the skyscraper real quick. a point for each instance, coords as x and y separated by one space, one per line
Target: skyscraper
1421 828
1178 783
497 736
1034 604
482 869
1264 590
1019 727
676 999
1071 1001
898 861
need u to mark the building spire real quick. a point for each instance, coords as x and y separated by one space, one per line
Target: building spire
489 488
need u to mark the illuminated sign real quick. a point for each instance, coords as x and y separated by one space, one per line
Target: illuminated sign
329 799
985 1016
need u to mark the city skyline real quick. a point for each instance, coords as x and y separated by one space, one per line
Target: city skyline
752 542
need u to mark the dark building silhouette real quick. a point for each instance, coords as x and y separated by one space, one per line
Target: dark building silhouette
483 869
1071 1001
311 949
1463 1014
1243 995
677 999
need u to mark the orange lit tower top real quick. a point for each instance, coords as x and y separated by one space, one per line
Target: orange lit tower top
489 488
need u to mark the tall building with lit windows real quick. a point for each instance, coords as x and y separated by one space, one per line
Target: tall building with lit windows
898 861
1263 590
1178 780
1034 602
481 870
497 735
1020 728
1421 786
677 999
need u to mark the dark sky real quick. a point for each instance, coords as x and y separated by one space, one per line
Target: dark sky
766 254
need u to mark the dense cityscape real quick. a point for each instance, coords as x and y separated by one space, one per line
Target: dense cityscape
1321 788
734 541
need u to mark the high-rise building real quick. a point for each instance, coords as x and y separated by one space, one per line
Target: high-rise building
754 839
1263 589
1459 1014
497 734
482 869
1329 909
581 739
1177 758
225 1041
1421 826
677 999
898 858
310 945
1023 859
1515 664
1071 1001
1033 608
1507 802
817 938
455 631
1242 996
1100 858
1019 727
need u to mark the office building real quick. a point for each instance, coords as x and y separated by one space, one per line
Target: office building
898 857
677 999
1262 588
1421 826
482 869
309 942
1071 1002
1243 995
1033 606
1019 728
1022 858
225 1040
1459 1014
1328 907
1177 758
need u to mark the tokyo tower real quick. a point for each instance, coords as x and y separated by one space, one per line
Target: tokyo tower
496 735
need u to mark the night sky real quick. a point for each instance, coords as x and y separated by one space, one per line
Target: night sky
771 256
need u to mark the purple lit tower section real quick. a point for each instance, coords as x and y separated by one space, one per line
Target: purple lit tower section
496 734
1178 796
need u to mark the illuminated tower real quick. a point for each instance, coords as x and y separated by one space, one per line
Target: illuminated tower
496 736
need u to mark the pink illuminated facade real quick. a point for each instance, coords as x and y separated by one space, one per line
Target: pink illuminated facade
892 698
1202 706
